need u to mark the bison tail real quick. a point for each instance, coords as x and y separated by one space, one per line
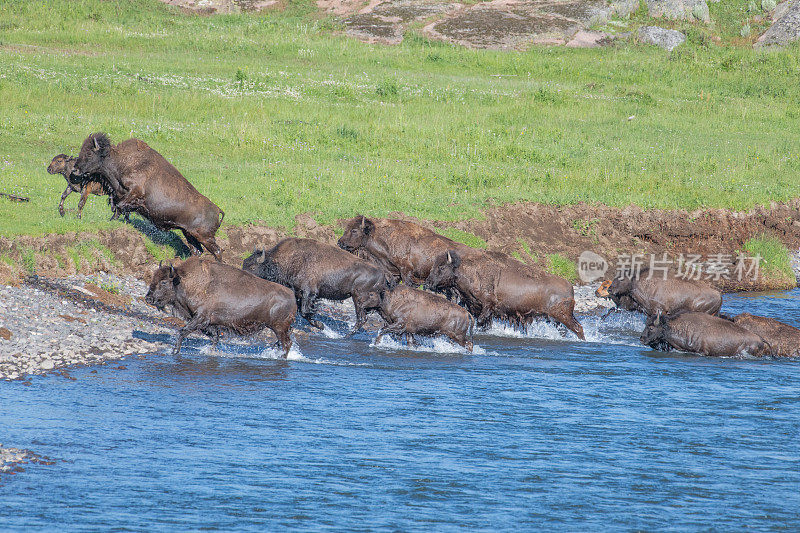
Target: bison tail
221 217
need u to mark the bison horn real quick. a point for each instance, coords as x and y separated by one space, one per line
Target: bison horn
96 146
161 263
363 222
449 258
262 256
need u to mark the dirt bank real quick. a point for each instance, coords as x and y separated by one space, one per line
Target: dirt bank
530 231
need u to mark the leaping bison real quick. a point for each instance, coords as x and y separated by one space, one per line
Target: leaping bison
142 181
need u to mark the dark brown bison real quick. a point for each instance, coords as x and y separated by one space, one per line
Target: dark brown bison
211 295
317 270
491 289
783 339
404 249
142 181
701 333
65 165
408 311
653 294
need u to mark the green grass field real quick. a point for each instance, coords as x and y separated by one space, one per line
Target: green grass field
276 114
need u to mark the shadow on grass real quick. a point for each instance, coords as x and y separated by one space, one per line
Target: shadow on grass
161 238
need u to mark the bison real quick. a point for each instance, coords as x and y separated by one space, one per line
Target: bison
653 294
65 165
783 339
211 295
701 333
493 289
404 249
142 181
410 311
317 270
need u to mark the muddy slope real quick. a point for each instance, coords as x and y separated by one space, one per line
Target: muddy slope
543 229
611 232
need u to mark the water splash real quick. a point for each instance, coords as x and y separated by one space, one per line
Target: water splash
621 328
329 332
296 355
427 345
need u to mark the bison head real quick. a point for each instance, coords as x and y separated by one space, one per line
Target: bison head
261 264
61 164
355 233
162 290
443 273
93 153
655 332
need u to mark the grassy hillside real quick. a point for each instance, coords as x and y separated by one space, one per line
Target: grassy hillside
275 114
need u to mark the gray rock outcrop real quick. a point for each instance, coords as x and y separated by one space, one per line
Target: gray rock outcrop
662 37
785 28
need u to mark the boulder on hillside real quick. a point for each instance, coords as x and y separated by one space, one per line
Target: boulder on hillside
785 28
679 9
662 37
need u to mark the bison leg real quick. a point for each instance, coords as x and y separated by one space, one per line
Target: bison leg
283 332
211 245
361 315
82 201
215 338
307 309
410 340
394 328
64 195
196 247
197 322
460 339
485 318
562 312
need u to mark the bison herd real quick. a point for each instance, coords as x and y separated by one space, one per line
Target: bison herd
380 264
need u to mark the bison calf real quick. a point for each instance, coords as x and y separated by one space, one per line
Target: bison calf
653 294
783 339
317 270
412 312
65 165
701 333
210 295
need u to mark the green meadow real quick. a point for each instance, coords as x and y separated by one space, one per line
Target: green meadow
275 114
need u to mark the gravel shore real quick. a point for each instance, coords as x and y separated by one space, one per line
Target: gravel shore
52 324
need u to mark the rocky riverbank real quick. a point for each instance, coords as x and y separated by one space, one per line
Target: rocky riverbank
47 325
50 325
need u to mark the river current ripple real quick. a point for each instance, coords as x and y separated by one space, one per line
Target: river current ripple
533 433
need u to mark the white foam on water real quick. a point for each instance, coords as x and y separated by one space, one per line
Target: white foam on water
427 345
329 332
296 355
621 328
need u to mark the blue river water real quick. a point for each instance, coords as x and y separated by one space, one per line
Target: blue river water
528 433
